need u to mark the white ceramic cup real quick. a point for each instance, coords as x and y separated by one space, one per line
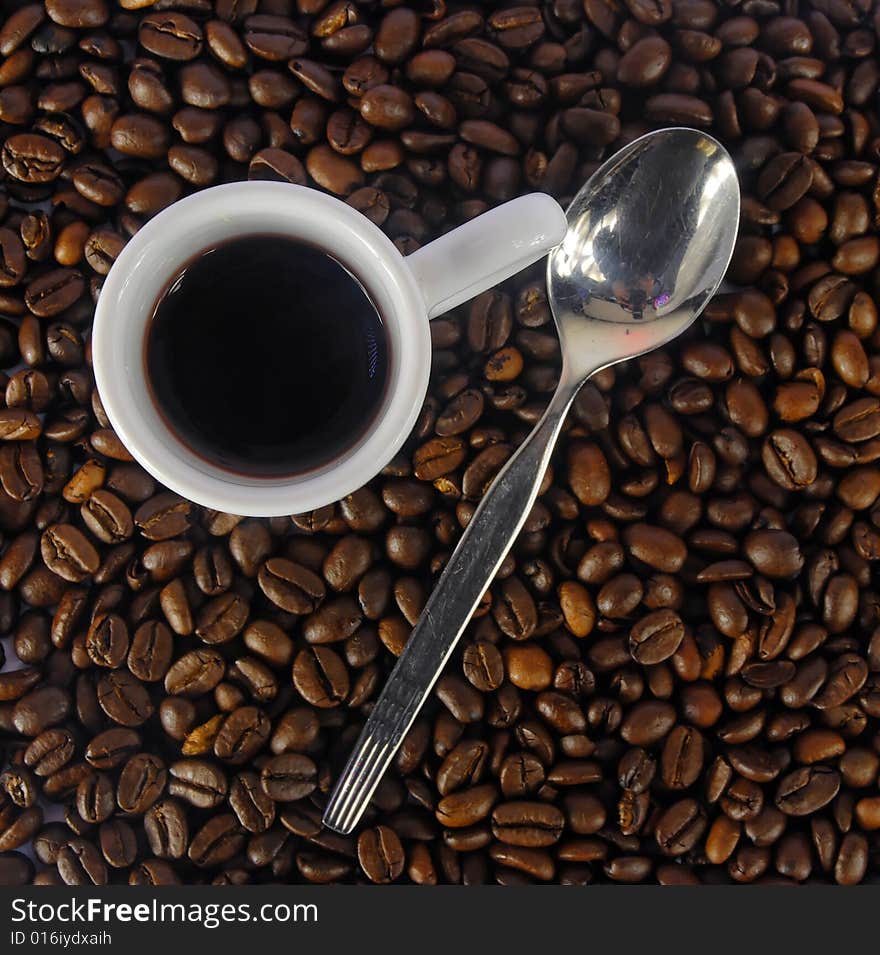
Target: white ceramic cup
406 291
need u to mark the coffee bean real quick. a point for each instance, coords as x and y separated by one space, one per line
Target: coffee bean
241 735
805 790
789 460
123 699
195 673
527 824
172 36
273 37
112 748
200 783
53 292
277 165
219 839
774 552
381 854
107 517
32 158
320 676
679 828
221 619
162 517
288 777
139 136
107 641
290 586
252 807
467 807
40 709
647 722
80 863
141 783
656 637
655 546
167 829
644 63
682 759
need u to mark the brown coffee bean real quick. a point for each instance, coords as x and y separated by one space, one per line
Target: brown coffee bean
381 854
195 673
216 842
467 807
68 552
680 827
290 586
805 790
79 863
141 783
222 618
527 824
167 829
288 777
198 782
647 722
172 36
774 553
655 546
645 62
242 734
656 637
123 699
789 460
151 651
163 516
107 641
320 676
140 136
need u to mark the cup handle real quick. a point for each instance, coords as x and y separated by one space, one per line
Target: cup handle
487 250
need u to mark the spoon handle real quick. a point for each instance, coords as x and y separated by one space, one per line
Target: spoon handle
471 568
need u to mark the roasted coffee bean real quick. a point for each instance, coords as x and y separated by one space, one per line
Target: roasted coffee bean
123 699
242 734
381 854
195 673
163 516
172 36
291 587
216 842
167 829
288 777
221 619
107 517
680 827
527 824
252 806
141 783
112 748
805 790
32 158
80 863
198 782
107 641
656 637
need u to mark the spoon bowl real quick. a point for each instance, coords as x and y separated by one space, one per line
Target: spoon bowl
649 239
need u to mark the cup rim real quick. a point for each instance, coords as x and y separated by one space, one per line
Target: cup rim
161 454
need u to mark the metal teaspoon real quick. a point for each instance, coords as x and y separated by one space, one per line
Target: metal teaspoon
649 239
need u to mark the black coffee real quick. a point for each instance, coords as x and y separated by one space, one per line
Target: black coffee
266 356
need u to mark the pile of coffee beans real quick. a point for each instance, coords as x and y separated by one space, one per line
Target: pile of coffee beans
675 676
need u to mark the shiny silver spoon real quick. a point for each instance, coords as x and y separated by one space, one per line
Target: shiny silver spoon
649 239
